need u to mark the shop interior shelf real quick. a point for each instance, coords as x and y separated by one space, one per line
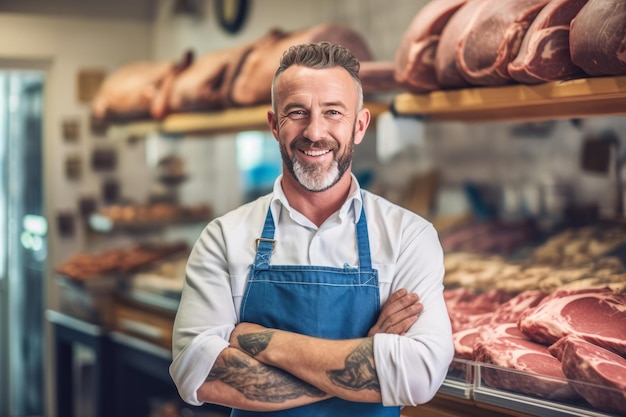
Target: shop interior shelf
200 123
570 99
103 224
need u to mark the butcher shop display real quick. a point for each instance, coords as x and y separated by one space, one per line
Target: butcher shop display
545 51
598 37
551 325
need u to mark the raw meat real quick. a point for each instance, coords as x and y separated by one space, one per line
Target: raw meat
130 91
452 36
598 37
511 310
470 310
469 317
415 58
493 40
505 346
596 368
206 85
377 77
596 315
544 53
253 81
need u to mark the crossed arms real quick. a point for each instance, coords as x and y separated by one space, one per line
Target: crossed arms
268 369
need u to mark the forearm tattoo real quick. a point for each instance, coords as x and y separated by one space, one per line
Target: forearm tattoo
254 343
260 382
359 372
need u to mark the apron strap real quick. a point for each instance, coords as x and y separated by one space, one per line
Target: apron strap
265 245
363 242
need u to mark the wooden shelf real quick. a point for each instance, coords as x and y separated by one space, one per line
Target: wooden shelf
584 97
223 121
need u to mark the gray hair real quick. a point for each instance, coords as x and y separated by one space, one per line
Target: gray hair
320 55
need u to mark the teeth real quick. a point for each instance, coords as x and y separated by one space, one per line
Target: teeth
316 153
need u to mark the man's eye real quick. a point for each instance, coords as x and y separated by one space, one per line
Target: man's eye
333 112
297 114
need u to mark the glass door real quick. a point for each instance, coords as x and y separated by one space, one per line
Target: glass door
23 252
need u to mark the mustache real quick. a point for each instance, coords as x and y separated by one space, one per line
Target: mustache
304 143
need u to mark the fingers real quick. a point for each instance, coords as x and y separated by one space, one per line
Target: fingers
399 313
399 300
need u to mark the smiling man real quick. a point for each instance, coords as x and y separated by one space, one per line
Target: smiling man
321 298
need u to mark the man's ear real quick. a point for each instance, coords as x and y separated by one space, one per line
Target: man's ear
362 122
272 121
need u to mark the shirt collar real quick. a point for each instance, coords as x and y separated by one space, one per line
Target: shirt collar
351 207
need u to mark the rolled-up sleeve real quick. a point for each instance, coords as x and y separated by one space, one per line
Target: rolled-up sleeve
206 315
412 367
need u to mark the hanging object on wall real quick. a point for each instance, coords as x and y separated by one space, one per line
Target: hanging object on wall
231 14
73 167
70 130
65 224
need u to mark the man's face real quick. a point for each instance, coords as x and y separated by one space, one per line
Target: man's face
316 124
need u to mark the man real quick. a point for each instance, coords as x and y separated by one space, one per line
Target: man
306 300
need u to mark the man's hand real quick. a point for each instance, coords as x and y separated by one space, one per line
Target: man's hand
401 310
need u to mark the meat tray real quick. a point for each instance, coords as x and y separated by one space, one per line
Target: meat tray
469 380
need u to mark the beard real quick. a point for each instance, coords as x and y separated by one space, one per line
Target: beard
316 177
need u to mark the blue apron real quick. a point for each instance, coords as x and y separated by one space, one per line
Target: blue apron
319 301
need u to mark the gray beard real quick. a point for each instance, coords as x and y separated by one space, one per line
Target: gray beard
313 177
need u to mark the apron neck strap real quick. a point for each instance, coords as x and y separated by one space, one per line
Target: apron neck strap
265 245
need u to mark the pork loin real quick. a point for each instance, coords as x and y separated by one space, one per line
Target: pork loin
415 58
598 37
544 54
596 315
253 81
597 368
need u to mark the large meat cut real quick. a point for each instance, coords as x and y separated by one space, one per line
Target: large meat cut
596 315
451 40
505 346
253 80
598 37
596 368
415 57
493 40
545 53
206 84
132 90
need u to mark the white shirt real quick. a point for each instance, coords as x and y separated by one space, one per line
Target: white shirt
405 250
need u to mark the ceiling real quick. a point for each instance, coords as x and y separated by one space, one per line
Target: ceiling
142 10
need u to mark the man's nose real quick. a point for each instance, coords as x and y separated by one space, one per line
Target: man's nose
315 128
